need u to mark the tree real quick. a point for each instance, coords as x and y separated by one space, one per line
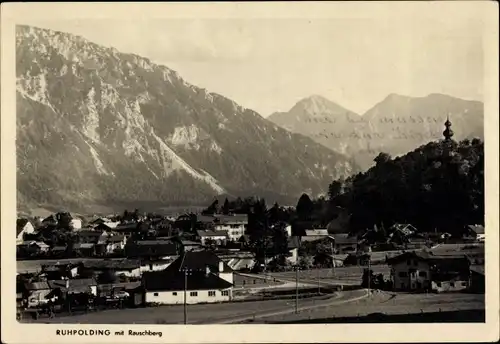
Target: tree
226 208
280 240
107 276
334 190
382 158
304 207
306 262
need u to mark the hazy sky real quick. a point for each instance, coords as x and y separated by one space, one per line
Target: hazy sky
269 64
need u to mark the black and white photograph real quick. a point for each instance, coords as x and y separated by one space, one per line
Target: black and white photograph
251 168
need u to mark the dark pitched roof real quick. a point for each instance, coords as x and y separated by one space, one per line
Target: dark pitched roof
20 225
232 219
83 246
174 280
151 248
205 218
90 233
59 248
198 261
103 227
75 285
125 285
124 264
209 233
116 238
478 229
127 227
37 286
430 258
344 239
477 269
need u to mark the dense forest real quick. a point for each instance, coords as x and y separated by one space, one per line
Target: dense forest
438 186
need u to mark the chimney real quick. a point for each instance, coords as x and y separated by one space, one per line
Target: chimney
221 266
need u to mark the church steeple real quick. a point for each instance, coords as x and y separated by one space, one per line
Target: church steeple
447 133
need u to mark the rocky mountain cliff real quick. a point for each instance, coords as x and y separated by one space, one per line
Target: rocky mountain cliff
396 125
96 126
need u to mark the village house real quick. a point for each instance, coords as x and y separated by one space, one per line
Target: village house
24 226
126 228
36 293
152 249
476 232
216 237
117 267
60 271
54 220
133 289
235 225
315 235
477 281
115 243
154 264
201 275
58 251
92 236
84 249
189 245
104 221
422 270
343 243
32 247
75 286
293 249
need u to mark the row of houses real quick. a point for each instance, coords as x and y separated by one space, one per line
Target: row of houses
201 277
426 271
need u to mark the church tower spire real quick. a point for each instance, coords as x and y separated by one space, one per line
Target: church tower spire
447 133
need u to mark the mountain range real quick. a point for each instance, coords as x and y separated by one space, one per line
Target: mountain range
99 127
395 126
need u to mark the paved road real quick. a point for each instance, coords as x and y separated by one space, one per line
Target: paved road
199 314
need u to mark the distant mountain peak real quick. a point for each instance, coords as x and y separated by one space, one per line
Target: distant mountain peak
318 105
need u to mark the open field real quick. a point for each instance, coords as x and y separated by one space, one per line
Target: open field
394 304
350 275
259 281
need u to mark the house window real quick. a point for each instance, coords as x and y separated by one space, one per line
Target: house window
225 293
464 284
211 293
422 274
439 284
452 284
174 293
193 293
403 274
155 294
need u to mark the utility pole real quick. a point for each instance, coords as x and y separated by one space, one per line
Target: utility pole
369 272
297 290
319 286
333 258
185 296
